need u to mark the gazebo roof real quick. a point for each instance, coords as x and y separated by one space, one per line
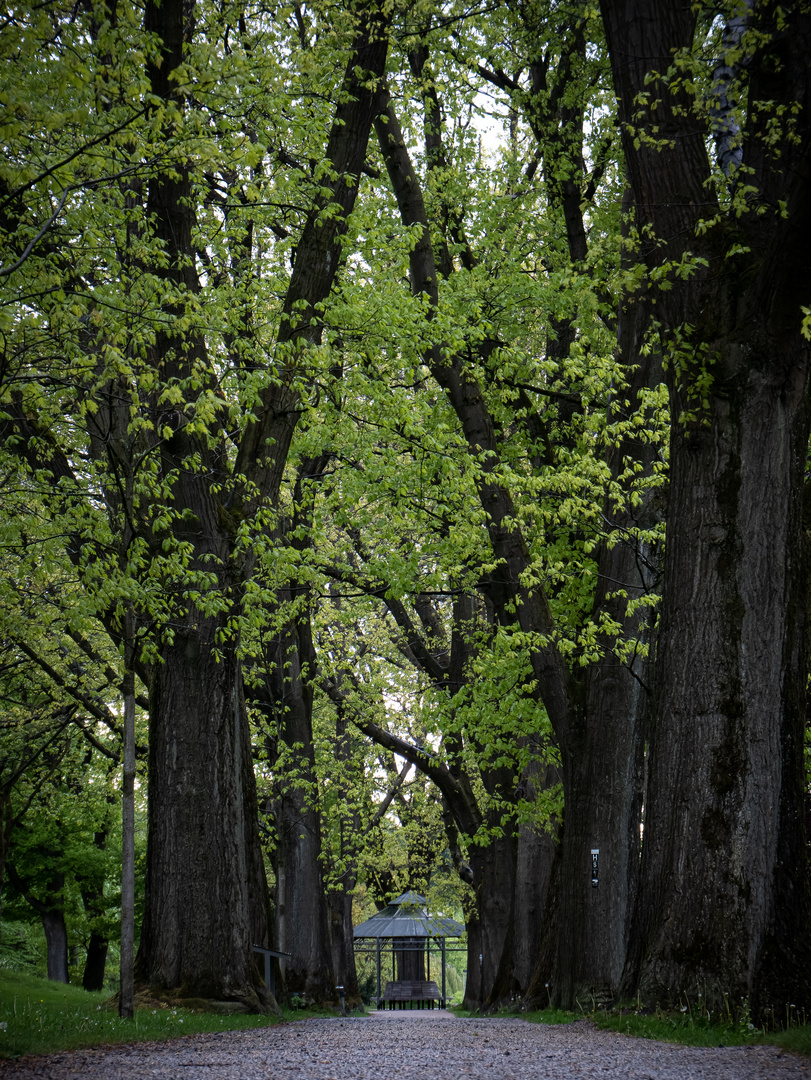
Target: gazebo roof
407 917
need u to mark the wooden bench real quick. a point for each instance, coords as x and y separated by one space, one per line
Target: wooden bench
411 994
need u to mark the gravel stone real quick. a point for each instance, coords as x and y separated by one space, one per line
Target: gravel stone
419 1045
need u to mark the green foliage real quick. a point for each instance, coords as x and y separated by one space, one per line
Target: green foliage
22 948
680 1028
132 374
59 779
65 849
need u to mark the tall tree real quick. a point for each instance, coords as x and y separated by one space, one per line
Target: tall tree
591 726
281 690
724 902
181 689
144 387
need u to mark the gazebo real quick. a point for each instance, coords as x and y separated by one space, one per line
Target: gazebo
408 930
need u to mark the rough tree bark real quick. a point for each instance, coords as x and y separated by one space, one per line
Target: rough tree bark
96 962
724 905
586 925
56 940
534 861
203 846
197 934
341 894
302 926
202 825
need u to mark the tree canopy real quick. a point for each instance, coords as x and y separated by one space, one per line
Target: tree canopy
406 407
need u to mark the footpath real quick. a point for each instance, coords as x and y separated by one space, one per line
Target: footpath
413 1045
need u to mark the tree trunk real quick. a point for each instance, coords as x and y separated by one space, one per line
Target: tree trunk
586 928
302 921
92 890
586 922
126 996
723 906
51 911
339 903
203 836
56 940
340 893
536 854
96 962
196 935
6 827
511 877
203 846
490 931
494 881
724 900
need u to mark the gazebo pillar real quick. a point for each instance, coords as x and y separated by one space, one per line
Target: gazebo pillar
378 973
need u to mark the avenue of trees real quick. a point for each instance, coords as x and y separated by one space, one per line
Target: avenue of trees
404 416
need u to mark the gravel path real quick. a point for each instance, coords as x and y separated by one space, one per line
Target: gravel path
414 1046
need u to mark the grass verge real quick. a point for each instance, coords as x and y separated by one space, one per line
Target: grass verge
691 1030
41 1017
686 1027
38 1016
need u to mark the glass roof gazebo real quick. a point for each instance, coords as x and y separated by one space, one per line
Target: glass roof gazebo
405 927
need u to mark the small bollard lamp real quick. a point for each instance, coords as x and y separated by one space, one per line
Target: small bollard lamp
342 997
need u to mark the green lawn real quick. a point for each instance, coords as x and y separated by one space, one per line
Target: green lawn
38 1017
686 1027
